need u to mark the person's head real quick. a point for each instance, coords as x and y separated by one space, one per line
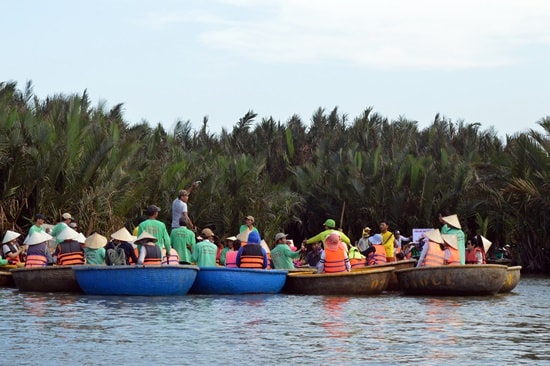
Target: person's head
397 233
383 225
122 235
145 239
152 211
366 232
236 244
39 219
332 240
316 247
229 241
207 234
10 237
183 195
280 238
253 238
249 220
73 225
329 224
66 218
470 244
376 239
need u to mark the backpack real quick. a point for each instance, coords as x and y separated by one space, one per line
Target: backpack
115 256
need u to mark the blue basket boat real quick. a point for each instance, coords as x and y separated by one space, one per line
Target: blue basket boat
229 281
151 280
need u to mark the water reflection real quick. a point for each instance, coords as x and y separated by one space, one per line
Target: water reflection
281 329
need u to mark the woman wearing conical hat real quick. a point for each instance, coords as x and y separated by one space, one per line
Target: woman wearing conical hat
38 252
94 249
119 251
433 251
452 256
451 225
11 248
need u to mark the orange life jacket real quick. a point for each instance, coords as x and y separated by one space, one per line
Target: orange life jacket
10 260
173 259
358 263
378 256
252 257
471 256
335 260
435 256
36 260
152 255
70 253
231 259
454 258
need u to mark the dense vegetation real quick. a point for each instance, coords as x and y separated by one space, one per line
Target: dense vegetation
61 154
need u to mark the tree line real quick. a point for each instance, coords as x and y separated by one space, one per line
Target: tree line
62 154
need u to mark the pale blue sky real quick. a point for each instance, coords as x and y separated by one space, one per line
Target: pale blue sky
477 61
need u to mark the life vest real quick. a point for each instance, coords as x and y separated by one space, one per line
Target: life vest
268 260
356 259
10 260
335 260
153 255
454 258
252 257
378 256
36 260
70 253
173 259
435 256
471 256
231 259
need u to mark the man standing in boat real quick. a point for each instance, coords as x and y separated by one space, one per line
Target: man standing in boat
330 227
179 207
388 240
156 228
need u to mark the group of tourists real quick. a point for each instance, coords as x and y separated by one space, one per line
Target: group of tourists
150 243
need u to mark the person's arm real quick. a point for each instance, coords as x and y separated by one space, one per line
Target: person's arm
479 257
317 238
344 238
8 253
167 242
142 254
293 255
266 260
133 253
447 256
422 255
348 264
238 259
321 264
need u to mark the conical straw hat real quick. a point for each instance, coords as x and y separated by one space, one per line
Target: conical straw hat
67 234
37 237
95 241
9 236
145 237
81 238
453 221
243 237
265 246
452 240
434 236
486 243
123 235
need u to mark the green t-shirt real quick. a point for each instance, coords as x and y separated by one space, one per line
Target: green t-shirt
282 256
204 254
158 230
323 235
461 238
57 229
94 256
179 238
36 229
223 254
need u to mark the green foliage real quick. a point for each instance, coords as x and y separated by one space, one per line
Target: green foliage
61 154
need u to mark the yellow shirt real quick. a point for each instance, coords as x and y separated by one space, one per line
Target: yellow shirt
387 241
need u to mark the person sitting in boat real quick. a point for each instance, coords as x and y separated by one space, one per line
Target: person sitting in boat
228 247
334 258
231 256
410 251
205 251
451 225
252 255
282 255
248 225
452 256
400 242
356 259
470 252
38 251
314 255
363 243
150 252
376 253
433 251
94 251
69 251
476 255
11 250
330 227
119 251
183 241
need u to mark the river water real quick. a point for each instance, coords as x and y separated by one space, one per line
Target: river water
63 329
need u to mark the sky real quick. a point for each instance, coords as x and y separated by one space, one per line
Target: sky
481 61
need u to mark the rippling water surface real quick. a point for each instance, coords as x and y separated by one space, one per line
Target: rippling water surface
278 329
